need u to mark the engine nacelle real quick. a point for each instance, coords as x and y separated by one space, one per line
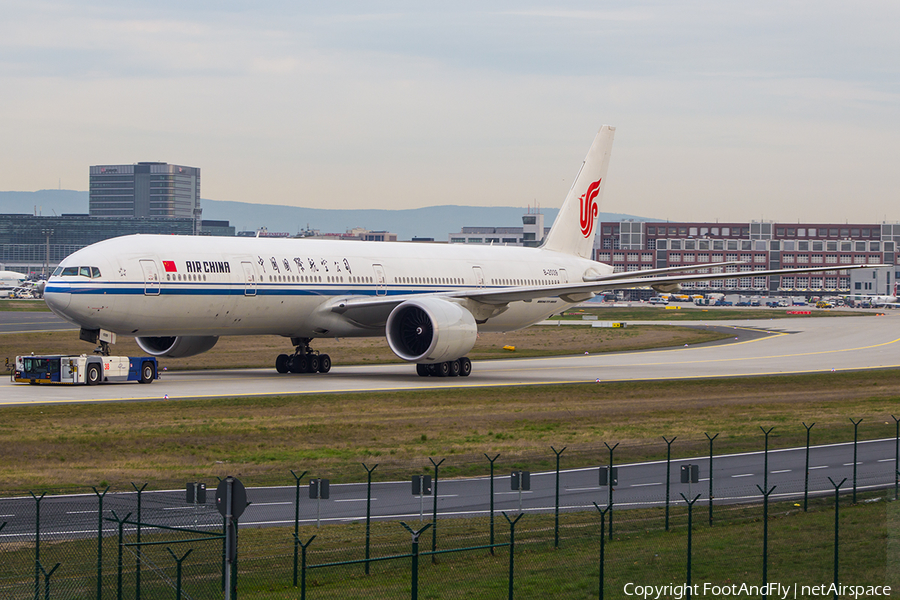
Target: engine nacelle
430 330
667 288
176 347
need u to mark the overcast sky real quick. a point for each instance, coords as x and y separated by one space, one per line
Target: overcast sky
773 110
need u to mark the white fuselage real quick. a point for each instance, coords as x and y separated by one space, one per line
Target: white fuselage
151 285
10 279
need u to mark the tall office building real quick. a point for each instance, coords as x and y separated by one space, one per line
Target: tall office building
146 189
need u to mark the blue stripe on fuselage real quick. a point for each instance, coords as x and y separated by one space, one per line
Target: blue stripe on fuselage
200 289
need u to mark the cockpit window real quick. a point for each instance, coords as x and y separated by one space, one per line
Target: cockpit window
93 272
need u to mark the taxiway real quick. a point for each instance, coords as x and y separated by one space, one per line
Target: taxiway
785 346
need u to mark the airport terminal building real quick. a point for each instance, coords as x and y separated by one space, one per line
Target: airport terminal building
762 245
33 244
531 234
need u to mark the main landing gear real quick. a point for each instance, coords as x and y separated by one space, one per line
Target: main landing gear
461 367
303 360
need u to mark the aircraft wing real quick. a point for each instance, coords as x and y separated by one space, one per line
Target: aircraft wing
374 311
649 272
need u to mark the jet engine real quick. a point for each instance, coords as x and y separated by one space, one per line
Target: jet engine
176 347
667 288
430 330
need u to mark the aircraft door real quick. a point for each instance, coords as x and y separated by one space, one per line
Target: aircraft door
563 276
249 278
151 277
479 276
380 281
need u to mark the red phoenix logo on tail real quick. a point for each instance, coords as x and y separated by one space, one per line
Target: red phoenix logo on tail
589 208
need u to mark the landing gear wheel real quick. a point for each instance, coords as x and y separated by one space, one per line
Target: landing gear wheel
148 373
324 363
93 374
465 366
298 364
454 368
422 370
282 363
443 369
312 363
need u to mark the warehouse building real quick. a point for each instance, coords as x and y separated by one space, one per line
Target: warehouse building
760 245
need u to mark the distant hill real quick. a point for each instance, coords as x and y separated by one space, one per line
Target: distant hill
44 202
433 221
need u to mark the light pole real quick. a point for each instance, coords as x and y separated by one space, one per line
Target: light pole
46 233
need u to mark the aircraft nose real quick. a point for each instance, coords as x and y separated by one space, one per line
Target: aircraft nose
57 301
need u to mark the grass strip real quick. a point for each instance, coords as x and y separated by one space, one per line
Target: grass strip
260 439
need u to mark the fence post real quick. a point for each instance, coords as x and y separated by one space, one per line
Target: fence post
855 438
224 550
766 457
47 575
121 524
434 513
178 562
491 460
224 543
368 508
765 569
234 564
603 512
896 455
100 540
556 503
37 544
297 542
138 548
609 501
690 504
297 478
806 473
512 548
710 475
668 473
837 502
415 558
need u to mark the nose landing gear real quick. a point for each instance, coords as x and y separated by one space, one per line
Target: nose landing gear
303 360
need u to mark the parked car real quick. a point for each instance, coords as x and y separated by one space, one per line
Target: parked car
658 300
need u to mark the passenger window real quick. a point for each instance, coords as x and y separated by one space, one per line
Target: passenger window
95 272
70 271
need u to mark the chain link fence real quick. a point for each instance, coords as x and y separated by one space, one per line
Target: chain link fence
565 541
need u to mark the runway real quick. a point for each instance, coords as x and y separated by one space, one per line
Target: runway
737 479
786 346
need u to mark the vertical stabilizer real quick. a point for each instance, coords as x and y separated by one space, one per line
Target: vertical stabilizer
573 231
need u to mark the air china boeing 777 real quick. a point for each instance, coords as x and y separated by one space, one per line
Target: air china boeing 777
178 294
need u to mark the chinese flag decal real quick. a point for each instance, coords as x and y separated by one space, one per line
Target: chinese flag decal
169 266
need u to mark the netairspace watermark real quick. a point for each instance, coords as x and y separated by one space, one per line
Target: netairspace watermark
771 590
